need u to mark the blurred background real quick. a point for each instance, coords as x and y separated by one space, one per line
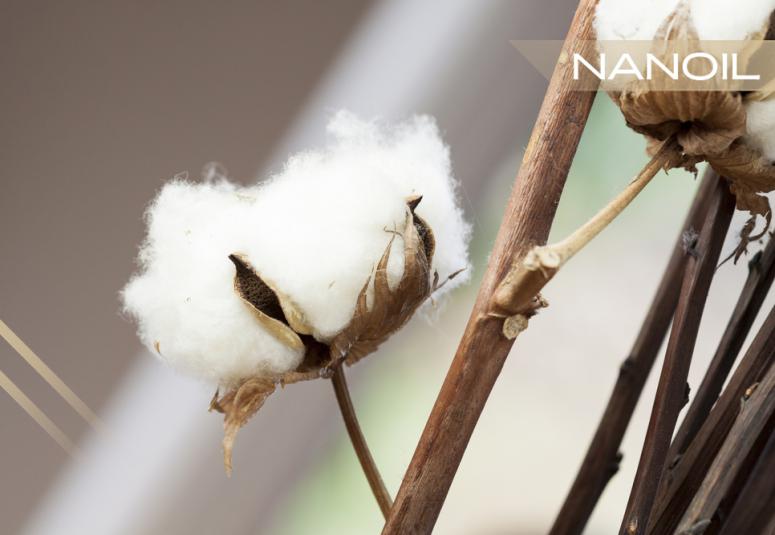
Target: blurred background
101 102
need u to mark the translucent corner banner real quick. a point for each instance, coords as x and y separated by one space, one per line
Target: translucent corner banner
663 65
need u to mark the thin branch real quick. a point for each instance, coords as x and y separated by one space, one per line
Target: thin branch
483 349
359 441
671 390
760 276
684 477
757 408
754 506
517 292
602 459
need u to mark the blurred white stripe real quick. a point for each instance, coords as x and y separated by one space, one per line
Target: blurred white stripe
121 471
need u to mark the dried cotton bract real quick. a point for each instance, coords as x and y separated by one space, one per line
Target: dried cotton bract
276 283
729 129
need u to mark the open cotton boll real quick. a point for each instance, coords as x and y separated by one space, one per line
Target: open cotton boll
760 127
184 299
286 280
712 19
312 235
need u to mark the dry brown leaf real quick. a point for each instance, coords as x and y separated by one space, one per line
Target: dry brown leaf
703 122
237 406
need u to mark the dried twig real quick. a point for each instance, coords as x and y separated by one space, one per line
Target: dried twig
602 459
754 506
518 291
483 349
760 276
756 410
684 477
671 390
359 441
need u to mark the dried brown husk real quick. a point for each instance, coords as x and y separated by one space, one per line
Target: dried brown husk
708 125
377 315
702 122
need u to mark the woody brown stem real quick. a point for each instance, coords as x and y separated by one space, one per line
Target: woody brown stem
761 272
685 475
359 441
756 411
671 390
602 459
753 509
483 349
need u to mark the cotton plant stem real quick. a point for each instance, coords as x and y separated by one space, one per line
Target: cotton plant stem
483 348
756 411
359 441
589 230
602 459
753 508
760 276
685 476
671 390
541 263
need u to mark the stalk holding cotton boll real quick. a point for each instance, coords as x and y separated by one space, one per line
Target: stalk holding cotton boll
283 281
731 130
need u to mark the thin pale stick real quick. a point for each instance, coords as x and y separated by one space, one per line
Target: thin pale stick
541 263
602 459
37 414
49 376
483 349
359 441
671 390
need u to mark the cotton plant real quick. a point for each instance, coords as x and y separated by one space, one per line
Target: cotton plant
252 287
734 131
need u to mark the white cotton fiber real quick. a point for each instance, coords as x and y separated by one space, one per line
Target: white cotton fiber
630 19
184 302
314 232
727 20
713 19
760 127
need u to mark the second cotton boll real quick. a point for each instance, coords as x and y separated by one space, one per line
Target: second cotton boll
313 232
712 19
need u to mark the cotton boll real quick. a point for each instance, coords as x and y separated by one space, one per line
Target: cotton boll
313 234
760 127
719 20
184 301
